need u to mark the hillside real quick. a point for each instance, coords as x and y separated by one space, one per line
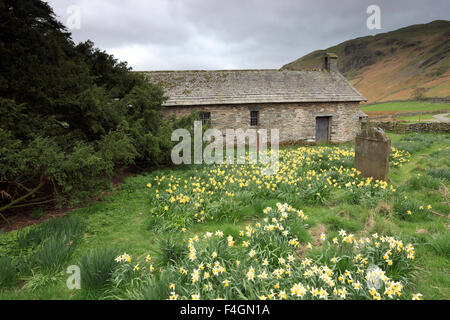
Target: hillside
389 66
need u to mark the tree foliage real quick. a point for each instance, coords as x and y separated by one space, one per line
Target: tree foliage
419 93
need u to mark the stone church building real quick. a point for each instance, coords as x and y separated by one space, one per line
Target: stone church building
306 106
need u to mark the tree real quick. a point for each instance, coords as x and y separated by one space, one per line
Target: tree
69 114
419 93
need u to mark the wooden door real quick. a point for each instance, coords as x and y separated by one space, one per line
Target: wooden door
322 129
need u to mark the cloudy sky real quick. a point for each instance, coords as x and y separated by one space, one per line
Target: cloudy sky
230 34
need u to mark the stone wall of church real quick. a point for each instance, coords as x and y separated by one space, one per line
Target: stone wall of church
296 121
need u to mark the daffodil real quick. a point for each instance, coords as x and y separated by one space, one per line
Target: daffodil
417 296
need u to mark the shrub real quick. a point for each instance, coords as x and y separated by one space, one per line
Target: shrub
97 267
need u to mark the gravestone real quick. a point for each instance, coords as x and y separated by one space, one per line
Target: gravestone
372 152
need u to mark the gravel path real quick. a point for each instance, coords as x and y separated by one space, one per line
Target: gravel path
442 117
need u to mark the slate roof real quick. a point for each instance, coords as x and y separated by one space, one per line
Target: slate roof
200 87
362 114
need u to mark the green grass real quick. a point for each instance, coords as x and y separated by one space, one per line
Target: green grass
125 220
97 267
406 106
7 273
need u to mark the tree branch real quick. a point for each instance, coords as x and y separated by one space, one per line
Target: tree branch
439 214
31 204
33 191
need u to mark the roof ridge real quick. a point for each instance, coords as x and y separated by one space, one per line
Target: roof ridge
200 70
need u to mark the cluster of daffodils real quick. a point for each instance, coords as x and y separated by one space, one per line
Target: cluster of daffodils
406 207
123 258
399 157
267 261
312 173
129 269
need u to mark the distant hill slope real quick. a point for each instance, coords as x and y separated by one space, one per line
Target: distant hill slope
389 66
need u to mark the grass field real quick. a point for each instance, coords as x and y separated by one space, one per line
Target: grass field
404 106
315 230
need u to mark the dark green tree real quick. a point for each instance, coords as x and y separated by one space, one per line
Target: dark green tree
69 114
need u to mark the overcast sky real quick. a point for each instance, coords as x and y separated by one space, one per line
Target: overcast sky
231 34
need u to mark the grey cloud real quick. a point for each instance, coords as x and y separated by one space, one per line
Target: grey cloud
208 34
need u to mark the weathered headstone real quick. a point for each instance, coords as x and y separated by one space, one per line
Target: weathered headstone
372 152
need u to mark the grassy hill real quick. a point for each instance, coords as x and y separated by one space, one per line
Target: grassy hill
389 66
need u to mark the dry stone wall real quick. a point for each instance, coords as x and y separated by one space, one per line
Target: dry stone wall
399 127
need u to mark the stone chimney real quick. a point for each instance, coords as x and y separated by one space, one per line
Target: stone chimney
330 62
